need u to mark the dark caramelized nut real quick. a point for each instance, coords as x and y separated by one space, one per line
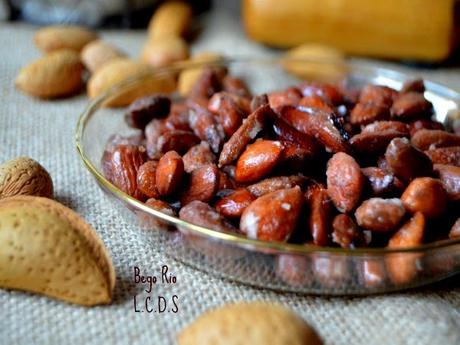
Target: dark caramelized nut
202 186
319 220
427 139
169 173
445 155
200 213
146 179
411 105
425 195
272 184
345 232
233 205
450 179
198 156
380 215
365 113
145 109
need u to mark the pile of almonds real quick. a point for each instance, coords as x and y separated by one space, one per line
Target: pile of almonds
46 247
70 51
317 163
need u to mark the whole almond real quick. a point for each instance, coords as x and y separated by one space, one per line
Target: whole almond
257 323
425 195
57 37
120 70
97 53
272 217
55 75
170 19
48 249
169 173
162 51
24 176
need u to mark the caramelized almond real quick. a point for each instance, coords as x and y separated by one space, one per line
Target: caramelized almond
169 173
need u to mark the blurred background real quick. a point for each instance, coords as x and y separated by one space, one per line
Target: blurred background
420 31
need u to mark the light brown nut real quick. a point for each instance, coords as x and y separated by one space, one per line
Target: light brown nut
427 139
445 155
272 217
402 267
345 181
200 213
57 74
177 140
169 173
198 156
425 195
455 231
373 143
294 270
272 184
264 320
171 18
51 38
97 53
145 109
24 176
308 69
378 94
319 220
67 260
233 205
323 126
365 113
405 161
203 184
450 179
258 160
205 126
380 181
162 51
345 232
381 215
121 69
411 105
382 126
244 135
126 160
146 179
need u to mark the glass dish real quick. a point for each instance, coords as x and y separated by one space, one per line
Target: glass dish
278 266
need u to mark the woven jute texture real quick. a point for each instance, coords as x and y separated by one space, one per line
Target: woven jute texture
45 131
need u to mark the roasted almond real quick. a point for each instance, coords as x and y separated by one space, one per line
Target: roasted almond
233 205
97 53
169 173
450 179
425 195
377 214
203 184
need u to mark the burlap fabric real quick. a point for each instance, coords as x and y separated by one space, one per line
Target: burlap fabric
45 131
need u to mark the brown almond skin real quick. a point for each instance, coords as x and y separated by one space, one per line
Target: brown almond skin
200 213
345 181
402 268
236 86
328 92
381 126
145 109
450 179
345 232
369 143
405 161
177 140
419 124
426 195
169 173
258 160
363 114
381 215
146 179
203 184
445 155
426 139
272 184
205 126
411 105
126 160
272 217
377 94
233 205
319 220
230 115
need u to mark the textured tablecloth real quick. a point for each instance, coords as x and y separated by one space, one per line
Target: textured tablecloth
45 131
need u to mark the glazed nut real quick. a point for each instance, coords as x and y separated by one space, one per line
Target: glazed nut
169 173
145 109
203 184
427 139
425 195
146 179
198 156
450 178
258 160
24 176
381 215
233 205
200 213
260 220
345 232
345 181
319 220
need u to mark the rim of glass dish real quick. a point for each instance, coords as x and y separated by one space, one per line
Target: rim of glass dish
235 239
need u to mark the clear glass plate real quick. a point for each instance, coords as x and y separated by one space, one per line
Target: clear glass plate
278 266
